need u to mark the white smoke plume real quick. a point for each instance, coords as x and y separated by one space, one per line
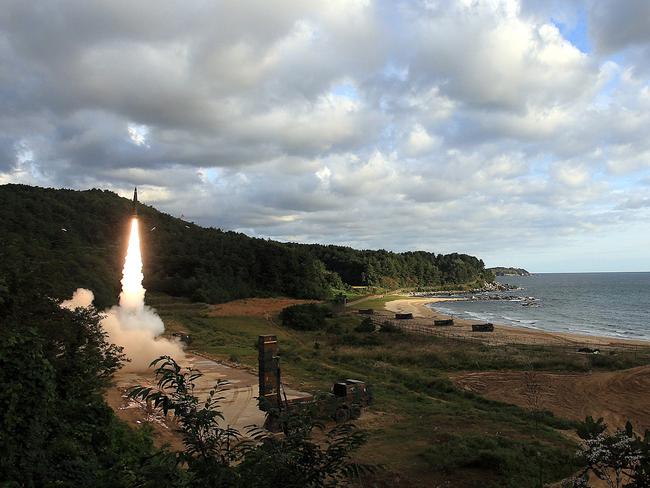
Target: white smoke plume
132 324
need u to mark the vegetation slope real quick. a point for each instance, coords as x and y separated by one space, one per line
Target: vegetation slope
69 239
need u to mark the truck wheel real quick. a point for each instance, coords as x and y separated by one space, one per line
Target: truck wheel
342 415
355 412
272 423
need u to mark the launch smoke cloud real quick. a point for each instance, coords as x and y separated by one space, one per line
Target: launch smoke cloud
132 324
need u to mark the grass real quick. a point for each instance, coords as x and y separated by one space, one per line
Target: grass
420 425
376 303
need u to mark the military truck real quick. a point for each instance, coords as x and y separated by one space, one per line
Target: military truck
344 402
349 398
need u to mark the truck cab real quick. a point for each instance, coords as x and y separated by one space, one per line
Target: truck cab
350 397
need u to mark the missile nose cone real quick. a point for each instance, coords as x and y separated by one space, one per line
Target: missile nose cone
135 201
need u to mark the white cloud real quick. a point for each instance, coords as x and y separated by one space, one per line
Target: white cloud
419 141
471 126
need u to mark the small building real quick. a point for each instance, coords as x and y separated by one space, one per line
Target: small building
443 322
487 327
403 316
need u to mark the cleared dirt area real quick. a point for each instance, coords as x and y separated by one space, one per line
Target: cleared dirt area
238 405
254 307
616 396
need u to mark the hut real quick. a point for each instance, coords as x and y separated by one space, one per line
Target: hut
443 322
403 316
488 327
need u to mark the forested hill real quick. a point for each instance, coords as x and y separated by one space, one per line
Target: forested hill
505 271
59 240
393 270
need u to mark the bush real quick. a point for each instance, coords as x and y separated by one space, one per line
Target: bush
217 455
389 328
366 325
517 460
362 341
308 316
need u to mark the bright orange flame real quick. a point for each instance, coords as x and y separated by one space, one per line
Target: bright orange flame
132 296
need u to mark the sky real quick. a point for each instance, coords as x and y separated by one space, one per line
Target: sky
516 131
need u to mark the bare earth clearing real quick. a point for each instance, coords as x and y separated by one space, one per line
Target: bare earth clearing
239 403
614 395
254 307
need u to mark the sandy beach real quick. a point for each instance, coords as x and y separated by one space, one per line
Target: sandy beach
503 333
617 396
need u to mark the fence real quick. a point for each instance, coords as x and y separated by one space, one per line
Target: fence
500 337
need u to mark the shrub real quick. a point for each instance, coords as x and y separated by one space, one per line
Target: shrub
218 455
389 328
366 325
518 460
308 316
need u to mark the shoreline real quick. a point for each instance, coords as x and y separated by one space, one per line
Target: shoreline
503 332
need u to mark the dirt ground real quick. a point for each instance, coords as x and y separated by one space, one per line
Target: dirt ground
616 396
254 307
239 403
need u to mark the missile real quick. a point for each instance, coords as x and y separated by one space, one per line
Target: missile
135 202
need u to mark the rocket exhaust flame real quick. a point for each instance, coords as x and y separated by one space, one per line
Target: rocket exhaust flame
132 296
132 324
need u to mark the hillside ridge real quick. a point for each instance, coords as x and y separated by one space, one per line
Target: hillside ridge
59 239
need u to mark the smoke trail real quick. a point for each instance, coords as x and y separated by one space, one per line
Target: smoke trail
132 324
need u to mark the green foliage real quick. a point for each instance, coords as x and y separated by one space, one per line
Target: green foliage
520 463
65 239
392 270
366 325
389 328
55 429
217 456
621 458
590 428
504 271
306 316
415 402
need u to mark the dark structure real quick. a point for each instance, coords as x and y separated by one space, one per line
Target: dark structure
366 311
135 201
403 316
345 401
488 327
268 367
183 336
443 322
350 397
589 350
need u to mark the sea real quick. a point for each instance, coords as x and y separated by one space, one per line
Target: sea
601 304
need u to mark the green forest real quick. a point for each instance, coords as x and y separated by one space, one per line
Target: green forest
65 239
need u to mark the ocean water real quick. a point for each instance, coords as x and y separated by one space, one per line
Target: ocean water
604 304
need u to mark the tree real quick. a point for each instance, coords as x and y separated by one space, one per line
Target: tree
55 428
218 456
621 459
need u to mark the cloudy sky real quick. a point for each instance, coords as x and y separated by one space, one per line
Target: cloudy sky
518 131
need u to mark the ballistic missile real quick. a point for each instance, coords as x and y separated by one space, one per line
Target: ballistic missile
135 202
